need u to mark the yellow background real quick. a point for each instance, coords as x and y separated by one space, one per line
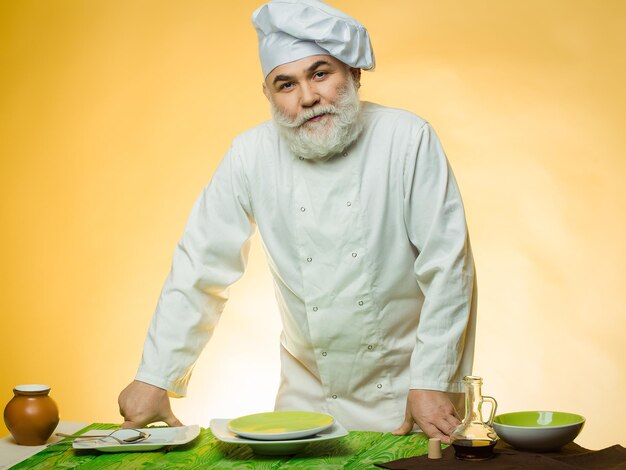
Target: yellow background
115 113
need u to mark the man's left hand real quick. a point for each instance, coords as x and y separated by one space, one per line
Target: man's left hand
433 412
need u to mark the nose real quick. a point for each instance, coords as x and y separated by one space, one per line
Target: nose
309 97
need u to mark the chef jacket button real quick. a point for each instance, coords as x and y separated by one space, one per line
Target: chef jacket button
379 385
370 347
309 259
348 203
315 309
360 302
302 209
345 154
354 255
334 397
324 354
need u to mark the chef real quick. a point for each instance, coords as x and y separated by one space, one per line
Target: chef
365 234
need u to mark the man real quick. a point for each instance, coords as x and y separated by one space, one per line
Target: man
364 229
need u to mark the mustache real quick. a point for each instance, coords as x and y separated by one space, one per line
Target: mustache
306 115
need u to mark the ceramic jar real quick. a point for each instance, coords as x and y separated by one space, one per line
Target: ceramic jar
31 415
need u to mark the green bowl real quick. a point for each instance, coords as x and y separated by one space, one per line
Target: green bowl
538 431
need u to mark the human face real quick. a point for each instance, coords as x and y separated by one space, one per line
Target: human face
298 86
311 139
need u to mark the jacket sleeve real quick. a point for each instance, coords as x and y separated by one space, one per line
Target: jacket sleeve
444 268
209 258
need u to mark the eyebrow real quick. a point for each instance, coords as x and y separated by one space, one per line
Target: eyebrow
312 68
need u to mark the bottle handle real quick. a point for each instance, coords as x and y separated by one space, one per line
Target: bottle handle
494 407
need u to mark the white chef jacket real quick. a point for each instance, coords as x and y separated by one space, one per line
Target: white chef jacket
371 261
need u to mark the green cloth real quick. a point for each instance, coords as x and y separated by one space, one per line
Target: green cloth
358 450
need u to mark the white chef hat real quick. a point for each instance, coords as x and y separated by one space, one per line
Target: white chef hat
290 30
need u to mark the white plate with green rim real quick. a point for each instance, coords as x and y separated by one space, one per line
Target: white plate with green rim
280 425
219 428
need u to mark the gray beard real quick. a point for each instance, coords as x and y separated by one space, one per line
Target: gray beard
321 140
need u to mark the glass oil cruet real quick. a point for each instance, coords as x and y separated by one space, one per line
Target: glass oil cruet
474 438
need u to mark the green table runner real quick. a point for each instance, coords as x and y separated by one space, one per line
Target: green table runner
358 450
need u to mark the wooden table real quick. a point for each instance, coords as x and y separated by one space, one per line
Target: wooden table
11 453
359 450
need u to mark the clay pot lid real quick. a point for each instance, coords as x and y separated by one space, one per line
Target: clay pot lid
32 388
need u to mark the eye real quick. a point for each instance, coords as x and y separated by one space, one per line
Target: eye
286 86
319 74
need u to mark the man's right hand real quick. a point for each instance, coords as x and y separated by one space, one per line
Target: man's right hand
141 404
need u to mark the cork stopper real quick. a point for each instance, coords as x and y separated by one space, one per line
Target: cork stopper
434 448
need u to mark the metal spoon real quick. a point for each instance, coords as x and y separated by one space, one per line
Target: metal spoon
138 438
